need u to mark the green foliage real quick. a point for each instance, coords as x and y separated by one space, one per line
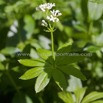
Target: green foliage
2 57
44 53
66 97
32 73
43 80
92 48
29 24
50 66
97 1
72 71
22 38
92 96
95 11
59 78
31 63
79 95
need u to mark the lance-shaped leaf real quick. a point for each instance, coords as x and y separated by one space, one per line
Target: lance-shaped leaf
92 96
32 73
99 101
71 58
43 80
62 52
44 53
32 62
72 71
79 93
92 48
66 97
59 78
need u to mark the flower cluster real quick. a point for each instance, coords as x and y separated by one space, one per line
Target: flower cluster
44 23
45 6
51 18
54 14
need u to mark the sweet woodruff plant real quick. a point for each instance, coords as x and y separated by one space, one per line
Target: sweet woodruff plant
51 65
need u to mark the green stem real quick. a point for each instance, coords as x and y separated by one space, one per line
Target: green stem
53 25
90 28
15 86
41 100
52 45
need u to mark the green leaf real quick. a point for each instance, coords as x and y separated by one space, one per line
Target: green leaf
95 10
66 97
60 26
97 1
44 42
44 53
2 67
38 15
72 71
32 62
80 35
32 73
79 93
29 24
70 58
9 8
92 48
92 96
81 28
99 39
99 101
10 50
62 50
43 80
59 78
2 57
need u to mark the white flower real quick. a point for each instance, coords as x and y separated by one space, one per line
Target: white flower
51 18
49 5
56 13
37 9
54 16
44 23
59 14
45 6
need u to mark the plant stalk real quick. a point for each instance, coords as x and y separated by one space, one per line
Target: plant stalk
90 28
52 45
14 84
